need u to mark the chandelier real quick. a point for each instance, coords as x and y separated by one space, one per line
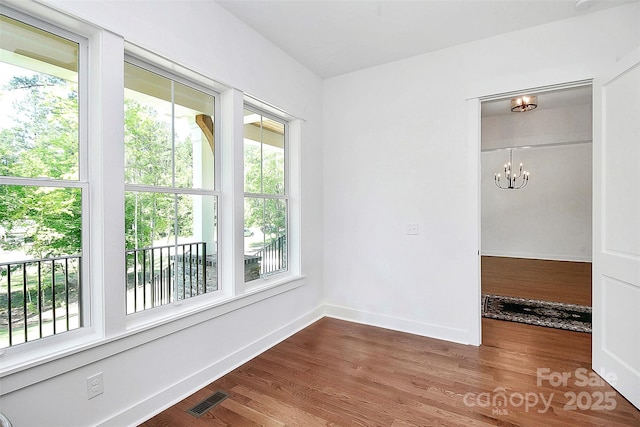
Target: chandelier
524 103
513 181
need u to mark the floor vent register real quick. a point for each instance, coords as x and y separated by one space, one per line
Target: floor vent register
209 403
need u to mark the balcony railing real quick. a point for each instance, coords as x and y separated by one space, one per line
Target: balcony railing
273 256
39 298
159 275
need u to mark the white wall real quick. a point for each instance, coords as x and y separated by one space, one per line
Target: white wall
548 219
151 369
398 151
542 126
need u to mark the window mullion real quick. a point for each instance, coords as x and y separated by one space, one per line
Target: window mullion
261 155
267 196
173 135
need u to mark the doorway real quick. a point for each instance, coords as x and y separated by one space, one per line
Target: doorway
615 222
536 240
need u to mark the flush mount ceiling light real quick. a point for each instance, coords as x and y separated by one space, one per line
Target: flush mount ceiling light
524 103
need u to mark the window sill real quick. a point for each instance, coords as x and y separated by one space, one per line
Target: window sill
217 304
33 354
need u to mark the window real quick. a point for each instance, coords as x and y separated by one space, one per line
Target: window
266 196
43 184
170 196
110 218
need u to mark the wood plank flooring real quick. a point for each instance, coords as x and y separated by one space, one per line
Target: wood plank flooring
346 374
559 281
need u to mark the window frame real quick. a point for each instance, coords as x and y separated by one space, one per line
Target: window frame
269 279
155 315
88 315
194 84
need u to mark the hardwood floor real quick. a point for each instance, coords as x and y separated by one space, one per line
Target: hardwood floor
559 281
346 374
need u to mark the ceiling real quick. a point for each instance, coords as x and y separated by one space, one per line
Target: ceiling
333 37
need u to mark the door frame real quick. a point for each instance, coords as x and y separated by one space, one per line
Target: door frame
474 106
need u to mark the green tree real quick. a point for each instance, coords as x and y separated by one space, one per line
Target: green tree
42 142
150 216
264 173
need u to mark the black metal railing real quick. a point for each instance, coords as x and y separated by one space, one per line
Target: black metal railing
159 275
273 256
39 298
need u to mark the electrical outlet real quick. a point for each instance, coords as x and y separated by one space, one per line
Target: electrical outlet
94 385
412 229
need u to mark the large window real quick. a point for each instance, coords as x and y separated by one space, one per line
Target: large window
116 182
43 184
266 196
170 198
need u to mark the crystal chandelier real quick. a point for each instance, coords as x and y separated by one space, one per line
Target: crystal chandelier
513 181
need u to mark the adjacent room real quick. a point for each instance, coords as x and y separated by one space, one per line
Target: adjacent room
221 212
536 163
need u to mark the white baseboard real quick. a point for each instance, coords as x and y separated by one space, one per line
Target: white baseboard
142 411
402 325
164 399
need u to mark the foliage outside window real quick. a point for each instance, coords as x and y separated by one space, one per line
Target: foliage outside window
266 199
41 184
170 197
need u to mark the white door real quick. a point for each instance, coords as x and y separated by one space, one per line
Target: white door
616 227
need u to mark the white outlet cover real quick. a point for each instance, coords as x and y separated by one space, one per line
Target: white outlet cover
95 386
412 229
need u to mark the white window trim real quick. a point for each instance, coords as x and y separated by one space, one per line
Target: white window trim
42 346
269 279
166 311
